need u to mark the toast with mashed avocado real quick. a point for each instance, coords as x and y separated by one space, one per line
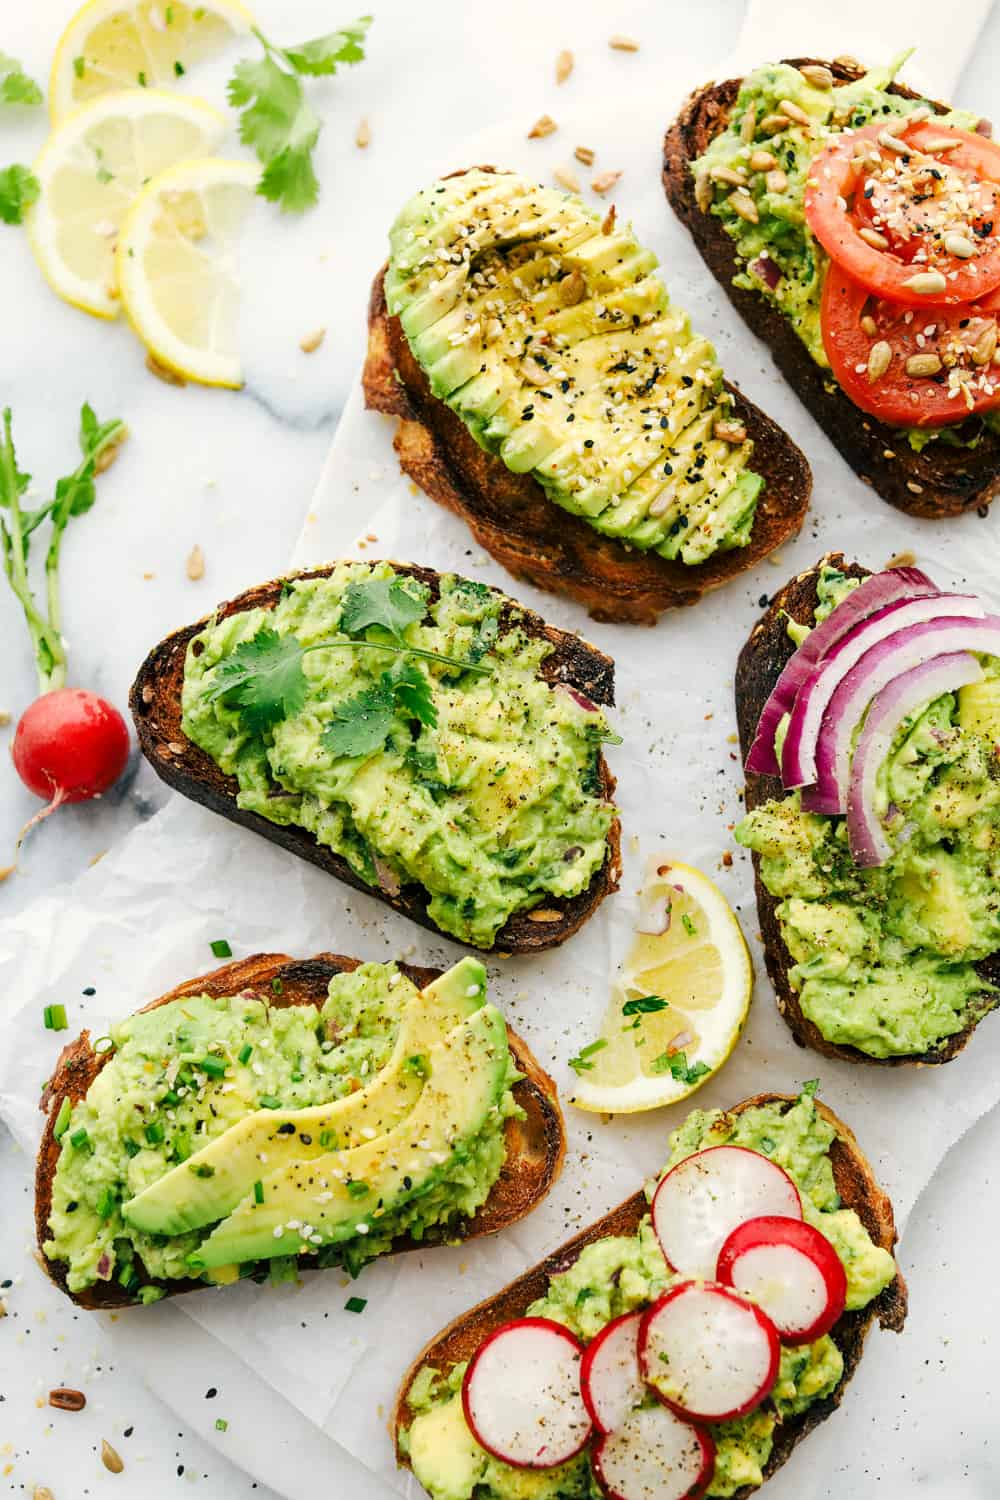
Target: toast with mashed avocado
281 1114
550 394
880 927
618 1270
918 418
418 735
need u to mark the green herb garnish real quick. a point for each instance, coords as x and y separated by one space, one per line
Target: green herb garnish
676 1064
201 1169
688 923
54 1017
277 120
258 1192
80 1140
221 1425
106 1203
358 1189
356 1304
270 1101
245 1053
215 1067
15 85
581 1063
62 1118
221 948
154 1133
645 1005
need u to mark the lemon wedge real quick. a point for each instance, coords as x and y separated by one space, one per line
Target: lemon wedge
89 171
679 1005
177 267
111 45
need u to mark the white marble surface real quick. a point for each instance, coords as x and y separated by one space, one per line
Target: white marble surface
234 473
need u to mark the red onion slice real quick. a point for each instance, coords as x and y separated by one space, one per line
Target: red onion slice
884 662
765 268
917 687
872 594
799 752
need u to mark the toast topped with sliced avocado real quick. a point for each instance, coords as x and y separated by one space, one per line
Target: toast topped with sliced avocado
682 1345
418 735
869 711
551 394
853 225
280 1114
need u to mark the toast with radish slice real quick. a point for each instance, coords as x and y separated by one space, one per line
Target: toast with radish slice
625 1434
534 1143
762 661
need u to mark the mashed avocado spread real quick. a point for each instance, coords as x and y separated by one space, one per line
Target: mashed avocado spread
487 795
884 957
204 1105
780 248
615 1275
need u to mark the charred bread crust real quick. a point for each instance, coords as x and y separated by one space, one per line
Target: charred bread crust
760 664
155 701
940 481
858 1189
513 519
535 1146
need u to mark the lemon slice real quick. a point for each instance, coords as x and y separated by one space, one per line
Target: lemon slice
177 267
680 1003
89 171
110 45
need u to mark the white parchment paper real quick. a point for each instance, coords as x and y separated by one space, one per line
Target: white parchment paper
144 917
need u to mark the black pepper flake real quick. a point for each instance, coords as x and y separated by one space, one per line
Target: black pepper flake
687 380
89 990
588 442
211 1393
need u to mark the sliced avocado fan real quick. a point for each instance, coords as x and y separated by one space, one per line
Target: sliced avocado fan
545 331
342 1194
206 1187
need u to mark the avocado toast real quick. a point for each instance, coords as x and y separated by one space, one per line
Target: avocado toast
550 395
617 1265
936 474
465 786
164 1157
889 959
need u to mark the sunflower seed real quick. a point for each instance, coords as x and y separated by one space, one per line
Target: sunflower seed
363 135
818 75
735 176
868 325
762 161
545 914
41 1493
776 180
872 237
959 245
923 364
543 126
111 1459
584 154
926 283
794 112
748 124
941 145
914 487
729 430
890 142
741 203
985 346
572 288
564 66
703 192
567 179
879 360
846 61
773 124
623 44
195 566
604 181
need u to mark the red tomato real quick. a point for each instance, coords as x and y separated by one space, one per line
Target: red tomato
860 191
957 336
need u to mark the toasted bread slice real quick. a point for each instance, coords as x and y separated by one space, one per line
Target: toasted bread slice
534 1145
760 665
942 480
513 519
858 1189
155 701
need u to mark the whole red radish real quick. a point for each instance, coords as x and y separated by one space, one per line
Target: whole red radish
70 745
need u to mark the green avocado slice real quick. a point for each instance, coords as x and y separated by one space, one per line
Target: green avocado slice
212 1182
336 1197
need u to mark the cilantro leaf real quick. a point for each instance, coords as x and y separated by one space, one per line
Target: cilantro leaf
645 1005
581 1062
412 691
361 724
484 638
321 56
676 1064
380 601
15 85
263 678
809 1088
19 188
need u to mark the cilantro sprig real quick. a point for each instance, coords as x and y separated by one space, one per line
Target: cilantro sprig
73 496
19 188
582 1062
264 678
15 85
676 1064
278 121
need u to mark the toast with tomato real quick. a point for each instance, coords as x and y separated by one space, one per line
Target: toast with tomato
854 226
585 1335
549 394
879 947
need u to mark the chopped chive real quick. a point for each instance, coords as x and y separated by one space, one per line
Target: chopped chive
258 1192
277 988
581 1063
141 79
221 948
297 1077
102 1045
202 1169
80 1139
168 15
54 1017
327 1140
78 66
270 1101
356 1304
178 67
106 1203
246 1052
221 1424
132 1148
182 1145
170 1097
154 1133
358 1189
62 1119
215 1067
689 926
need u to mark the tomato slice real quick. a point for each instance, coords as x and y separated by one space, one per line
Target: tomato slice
962 340
935 209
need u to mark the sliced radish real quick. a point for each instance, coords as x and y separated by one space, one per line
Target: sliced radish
521 1394
708 1352
654 1456
610 1382
700 1202
791 1270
